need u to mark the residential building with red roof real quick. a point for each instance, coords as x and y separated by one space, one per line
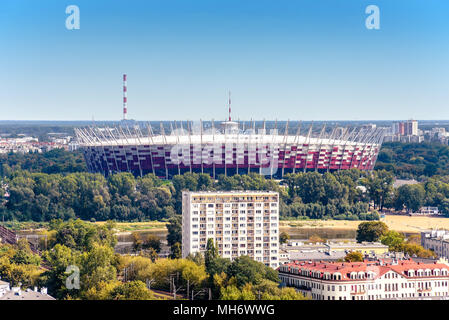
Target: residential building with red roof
368 280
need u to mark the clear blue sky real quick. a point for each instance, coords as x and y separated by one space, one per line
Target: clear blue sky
298 60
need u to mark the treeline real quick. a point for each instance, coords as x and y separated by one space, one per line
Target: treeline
41 131
340 195
53 161
414 160
433 192
44 197
122 197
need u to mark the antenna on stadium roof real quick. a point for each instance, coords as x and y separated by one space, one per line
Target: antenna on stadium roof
229 105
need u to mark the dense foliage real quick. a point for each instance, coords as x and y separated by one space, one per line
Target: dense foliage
80 263
53 161
378 231
396 242
414 160
122 197
43 197
73 246
371 231
19 265
48 186
432 192
335 195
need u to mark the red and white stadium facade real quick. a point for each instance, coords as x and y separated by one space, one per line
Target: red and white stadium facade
228 150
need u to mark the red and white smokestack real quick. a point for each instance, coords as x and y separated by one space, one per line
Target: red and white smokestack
125 98
229 103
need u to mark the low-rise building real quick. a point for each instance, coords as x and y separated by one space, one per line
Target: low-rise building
437 241
332 250
17 293
427 211
375 248
317 255
4 287
284 256
368 280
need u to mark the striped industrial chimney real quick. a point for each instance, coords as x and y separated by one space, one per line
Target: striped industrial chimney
125 98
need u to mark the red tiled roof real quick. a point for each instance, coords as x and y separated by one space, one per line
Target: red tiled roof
378 267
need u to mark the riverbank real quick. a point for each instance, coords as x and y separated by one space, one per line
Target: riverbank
127 227
398 223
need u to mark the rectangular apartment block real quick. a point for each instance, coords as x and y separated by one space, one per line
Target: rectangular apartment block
239 222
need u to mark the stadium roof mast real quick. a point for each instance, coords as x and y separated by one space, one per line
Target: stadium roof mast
229 126
229 105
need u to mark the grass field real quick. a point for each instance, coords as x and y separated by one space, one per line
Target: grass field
139 226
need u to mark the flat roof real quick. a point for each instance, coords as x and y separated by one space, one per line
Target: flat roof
26 295
230 192
357 244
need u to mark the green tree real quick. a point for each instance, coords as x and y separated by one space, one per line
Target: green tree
371 231
210 255
152 242
174 228
122 184
197 257
134 290
24 255
96 266
246 270
176 251
394 240
354 256
284 237
59 258
410 196
379 186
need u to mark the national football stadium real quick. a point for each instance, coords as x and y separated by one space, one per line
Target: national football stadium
227 149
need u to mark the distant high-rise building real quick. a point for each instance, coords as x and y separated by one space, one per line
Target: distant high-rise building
407 128
401 128
411 128
239 222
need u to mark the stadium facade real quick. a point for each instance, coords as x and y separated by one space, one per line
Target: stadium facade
229 149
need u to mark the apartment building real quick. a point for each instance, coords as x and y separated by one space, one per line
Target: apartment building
368 280
239 222
405 128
